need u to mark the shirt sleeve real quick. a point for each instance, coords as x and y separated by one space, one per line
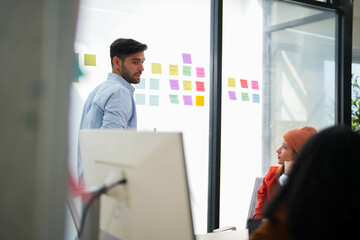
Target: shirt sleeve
118 110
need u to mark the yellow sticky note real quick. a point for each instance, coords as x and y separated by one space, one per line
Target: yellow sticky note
200 101
156 68
173 69
231 82
187 85
89 60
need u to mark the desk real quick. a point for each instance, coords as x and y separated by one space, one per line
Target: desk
228 235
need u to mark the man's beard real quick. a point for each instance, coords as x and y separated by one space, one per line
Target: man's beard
127 75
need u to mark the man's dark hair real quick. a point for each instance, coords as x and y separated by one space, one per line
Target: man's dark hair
123 47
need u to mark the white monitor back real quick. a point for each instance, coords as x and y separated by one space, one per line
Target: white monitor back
154 203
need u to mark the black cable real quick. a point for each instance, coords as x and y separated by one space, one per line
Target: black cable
102 190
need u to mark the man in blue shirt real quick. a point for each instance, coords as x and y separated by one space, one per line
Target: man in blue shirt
111 104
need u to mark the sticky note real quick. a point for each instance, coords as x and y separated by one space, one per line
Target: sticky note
256 98
187 85
200 101
174 99
154 100
232 95
186 58
200 72
245 96
231 82
174 84
173 69
89 60
255 85
200 86
141 84
187 100
154 84
243 83
187 70
140 99
156 68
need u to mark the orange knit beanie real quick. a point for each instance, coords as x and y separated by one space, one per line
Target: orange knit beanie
298 136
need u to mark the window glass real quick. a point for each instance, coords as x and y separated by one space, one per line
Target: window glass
174 91
241 109
300 74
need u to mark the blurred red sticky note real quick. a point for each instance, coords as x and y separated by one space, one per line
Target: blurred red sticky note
243 83
200 86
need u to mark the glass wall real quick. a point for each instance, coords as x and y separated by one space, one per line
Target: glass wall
278 73
242 101
174 91
299 71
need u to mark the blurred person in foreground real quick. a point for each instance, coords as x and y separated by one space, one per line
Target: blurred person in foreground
319 201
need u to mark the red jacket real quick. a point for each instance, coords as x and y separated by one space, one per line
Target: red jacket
267 191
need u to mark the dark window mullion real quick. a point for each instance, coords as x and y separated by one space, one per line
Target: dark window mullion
215 115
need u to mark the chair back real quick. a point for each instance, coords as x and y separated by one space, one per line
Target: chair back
253 201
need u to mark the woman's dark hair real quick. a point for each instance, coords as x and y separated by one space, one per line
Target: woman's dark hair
321 195
123 47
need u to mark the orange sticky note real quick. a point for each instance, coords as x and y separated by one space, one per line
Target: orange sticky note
200 101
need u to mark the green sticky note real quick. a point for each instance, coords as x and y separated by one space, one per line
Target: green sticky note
154 83
245 97
141 84
89 60
154 100
174 99
187 70
140 99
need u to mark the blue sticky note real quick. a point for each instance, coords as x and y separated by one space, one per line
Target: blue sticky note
154 100
256 98
141 84
154 83
139 99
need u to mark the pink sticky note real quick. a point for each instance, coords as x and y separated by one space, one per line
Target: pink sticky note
232 95
174 84
187 100
200 86
186 58
255 85
200 72
243 83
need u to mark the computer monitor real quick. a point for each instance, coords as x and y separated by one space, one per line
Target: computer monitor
154 203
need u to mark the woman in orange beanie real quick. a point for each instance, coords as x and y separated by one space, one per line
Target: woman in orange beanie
320 200
293 140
